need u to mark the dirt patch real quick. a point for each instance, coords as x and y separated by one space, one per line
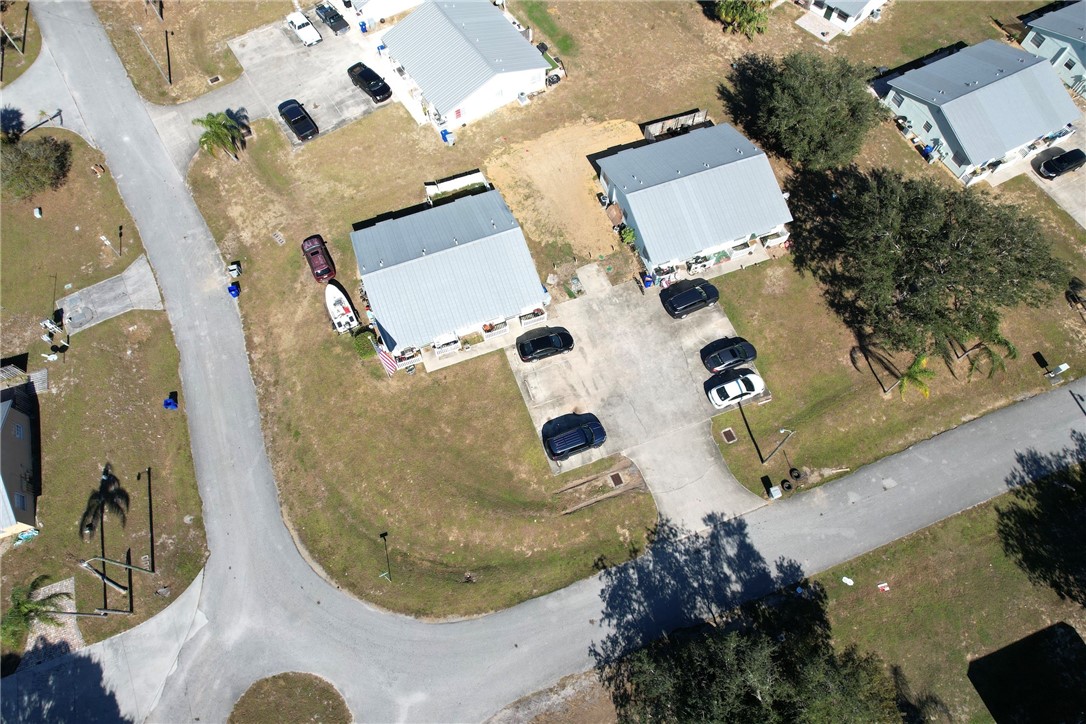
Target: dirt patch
551 188
576 698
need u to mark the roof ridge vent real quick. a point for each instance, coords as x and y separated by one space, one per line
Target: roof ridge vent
424 251
455 242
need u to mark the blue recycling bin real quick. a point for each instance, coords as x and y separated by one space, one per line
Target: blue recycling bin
362 26
234 290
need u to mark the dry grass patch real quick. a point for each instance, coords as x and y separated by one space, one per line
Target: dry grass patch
448 463
291 697
198 34
104 403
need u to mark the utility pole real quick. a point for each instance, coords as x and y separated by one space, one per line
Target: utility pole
387 575
150 515
169 68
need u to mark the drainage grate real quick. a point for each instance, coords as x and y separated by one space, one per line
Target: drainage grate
616 480
214 79
279 238
729 435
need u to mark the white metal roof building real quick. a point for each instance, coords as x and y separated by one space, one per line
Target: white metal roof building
702 193
1060 38
446 270
985 103
466 58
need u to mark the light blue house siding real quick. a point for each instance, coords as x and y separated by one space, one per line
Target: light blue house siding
1060 38
981 107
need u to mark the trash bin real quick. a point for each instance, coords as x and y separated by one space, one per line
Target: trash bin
362 26
234 290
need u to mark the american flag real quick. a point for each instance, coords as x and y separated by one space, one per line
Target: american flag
387 360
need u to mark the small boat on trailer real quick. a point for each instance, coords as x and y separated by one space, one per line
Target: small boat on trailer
344 318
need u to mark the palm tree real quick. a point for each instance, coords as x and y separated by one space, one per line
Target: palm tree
110 497
25 609
917 375
749 17
220 132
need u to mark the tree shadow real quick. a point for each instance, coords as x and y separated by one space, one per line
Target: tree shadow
240 116
65 689
917 707
1043 530
12 124
745 93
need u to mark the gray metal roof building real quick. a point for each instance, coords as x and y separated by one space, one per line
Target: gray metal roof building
994 98
852 8
452 49
692 192
1069 21
442 269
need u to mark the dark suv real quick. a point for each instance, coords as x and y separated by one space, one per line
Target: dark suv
682 298
542 343
724 354
1064 163
369 82
571 434
298 119
320 261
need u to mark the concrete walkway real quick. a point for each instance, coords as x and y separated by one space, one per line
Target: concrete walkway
134 288
259 609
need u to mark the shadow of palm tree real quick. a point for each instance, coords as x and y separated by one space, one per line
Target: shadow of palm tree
1044 528
240 116
68 688
109 497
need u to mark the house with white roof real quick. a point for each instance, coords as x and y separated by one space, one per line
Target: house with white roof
18 504
467 59
696 199
1060 38
846 14
980 107
436 275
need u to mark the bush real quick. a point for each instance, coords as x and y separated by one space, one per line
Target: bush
363 344
28 167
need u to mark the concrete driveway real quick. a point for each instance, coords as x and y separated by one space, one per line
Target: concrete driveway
640 372
279 67
1069 190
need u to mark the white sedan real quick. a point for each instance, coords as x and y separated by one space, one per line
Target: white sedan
736 387
305 31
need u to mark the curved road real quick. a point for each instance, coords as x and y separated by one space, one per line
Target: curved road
259 609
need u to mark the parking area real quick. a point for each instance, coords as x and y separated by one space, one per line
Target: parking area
640 372
279 67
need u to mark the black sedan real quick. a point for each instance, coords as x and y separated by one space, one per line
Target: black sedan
297 119
542 343
724 354
331 17
690 295
369 82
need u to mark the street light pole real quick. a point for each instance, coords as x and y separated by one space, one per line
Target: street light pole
387 575
780 444
150 515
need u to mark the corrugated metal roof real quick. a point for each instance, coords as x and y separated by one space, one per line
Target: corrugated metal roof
7 513
1069 21
444 268
852 8
691 192
452 48
994 97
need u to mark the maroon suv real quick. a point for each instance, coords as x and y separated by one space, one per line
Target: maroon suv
320 261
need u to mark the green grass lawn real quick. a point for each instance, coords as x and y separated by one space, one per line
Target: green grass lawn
15 62
104 403
954 596
910 29
449 464
545 17
291 698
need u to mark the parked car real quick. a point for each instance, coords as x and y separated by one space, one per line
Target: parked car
369 82
735 386
724 354
320 261
298 120
305 31
572 434
331 17
1064 163
682 298
542 343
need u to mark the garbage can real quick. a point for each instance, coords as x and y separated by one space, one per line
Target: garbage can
234 290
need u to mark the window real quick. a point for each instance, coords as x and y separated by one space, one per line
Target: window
1038 40
927 127
1070 64
18 431
20 501
897 100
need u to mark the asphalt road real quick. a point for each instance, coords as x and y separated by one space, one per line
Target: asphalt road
259 609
